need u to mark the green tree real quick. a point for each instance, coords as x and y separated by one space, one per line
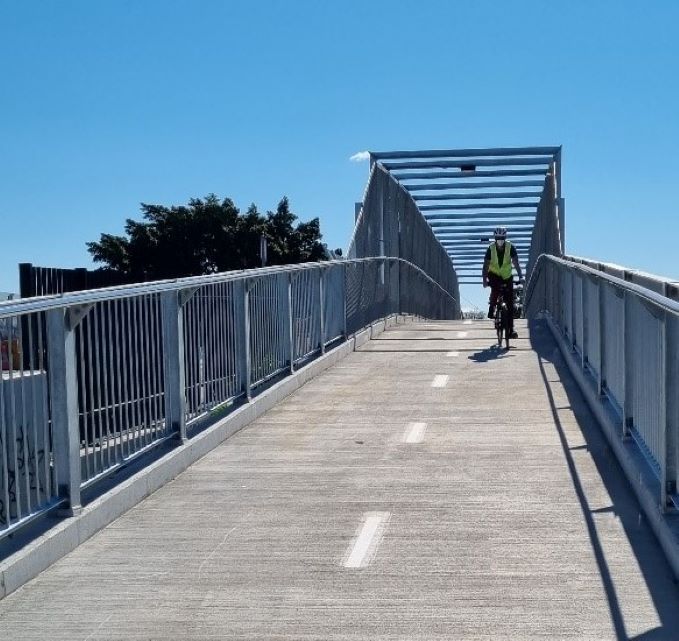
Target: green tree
206 236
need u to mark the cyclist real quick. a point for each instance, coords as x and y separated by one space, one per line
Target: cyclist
497 271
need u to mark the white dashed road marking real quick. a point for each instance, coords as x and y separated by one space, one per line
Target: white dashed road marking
453 354
363 551
440 380
415 433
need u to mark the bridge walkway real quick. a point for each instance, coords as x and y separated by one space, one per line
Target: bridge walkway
426 487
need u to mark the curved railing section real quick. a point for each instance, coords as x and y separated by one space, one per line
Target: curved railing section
390 224
625 337
92 380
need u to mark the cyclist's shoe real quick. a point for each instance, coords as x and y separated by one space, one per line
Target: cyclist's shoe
513 334
491 312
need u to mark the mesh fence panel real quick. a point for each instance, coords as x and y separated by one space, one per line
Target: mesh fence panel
390 224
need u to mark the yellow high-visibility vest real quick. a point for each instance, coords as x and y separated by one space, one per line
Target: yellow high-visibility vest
504 271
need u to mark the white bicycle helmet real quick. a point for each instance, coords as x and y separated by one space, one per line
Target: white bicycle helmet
500 233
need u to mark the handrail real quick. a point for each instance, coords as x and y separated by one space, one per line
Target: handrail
43 303
390 224
623 338
666 304
661 284
96 378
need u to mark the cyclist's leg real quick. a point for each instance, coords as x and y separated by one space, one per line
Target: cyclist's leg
495 283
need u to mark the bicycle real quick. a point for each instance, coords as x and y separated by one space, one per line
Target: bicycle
518 299
502 320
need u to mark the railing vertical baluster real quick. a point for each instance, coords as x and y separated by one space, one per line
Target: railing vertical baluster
669 410
627 414
321 305
397 267
584 348
173 363
242 322
545 279
601 381
288 319
64 401
574 331
345 293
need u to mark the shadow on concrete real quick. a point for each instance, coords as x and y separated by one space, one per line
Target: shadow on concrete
653 565
492 353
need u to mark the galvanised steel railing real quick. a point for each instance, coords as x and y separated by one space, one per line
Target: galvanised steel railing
626 337
548 233
391 224
94 379
666 286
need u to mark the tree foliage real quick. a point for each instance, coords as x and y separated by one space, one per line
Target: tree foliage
204 237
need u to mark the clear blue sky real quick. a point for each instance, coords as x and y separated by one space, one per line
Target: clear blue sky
106 104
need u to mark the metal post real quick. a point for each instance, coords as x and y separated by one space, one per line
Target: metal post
545 270
561 204
601 382
584 315
173 363
669 411
344 300
627 414
573 329
397 265
288 321
383 199
242 314
321 315
64 399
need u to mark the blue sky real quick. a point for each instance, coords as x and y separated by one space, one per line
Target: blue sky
106 104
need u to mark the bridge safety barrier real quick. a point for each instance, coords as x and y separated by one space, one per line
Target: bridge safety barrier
391 224
105 375
626 337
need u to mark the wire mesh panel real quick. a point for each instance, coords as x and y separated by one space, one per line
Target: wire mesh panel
333 302
366 294
269 338
411 291
212 349
578 311
566 279
646 370
632 336
306 308
591 296
546 235
26 468
391 225
614 342
120 382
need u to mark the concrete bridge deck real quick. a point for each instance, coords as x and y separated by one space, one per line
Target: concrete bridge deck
426 487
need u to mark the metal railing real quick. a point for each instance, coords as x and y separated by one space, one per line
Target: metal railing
391 224
96 378
547 236
666 286
626 337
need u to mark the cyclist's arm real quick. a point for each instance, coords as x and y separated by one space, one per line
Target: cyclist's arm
486 265
517 266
